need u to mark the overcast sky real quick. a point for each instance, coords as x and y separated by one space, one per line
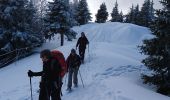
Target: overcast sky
124 5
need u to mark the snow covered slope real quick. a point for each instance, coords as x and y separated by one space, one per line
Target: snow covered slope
111 71
124 34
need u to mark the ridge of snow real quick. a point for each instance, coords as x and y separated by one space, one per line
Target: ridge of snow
117 33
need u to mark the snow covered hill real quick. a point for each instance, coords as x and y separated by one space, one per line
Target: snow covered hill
111 71
123 34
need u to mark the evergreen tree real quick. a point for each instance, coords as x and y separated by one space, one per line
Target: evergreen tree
41 10
58 18
31 18
83 16
102 14
146 14
158 50
120 17
17 29
130 16
15 20
151 13
136 15
115 13
73 8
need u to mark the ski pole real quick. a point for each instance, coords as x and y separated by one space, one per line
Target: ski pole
88 47
65 79
81 79
31 88
88 53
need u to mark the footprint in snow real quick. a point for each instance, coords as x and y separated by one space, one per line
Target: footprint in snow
124 69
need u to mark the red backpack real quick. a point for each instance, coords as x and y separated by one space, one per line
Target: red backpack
60 57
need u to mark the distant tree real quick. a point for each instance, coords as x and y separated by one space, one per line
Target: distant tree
146 13
102 14
83 15
115 13
121 17
136 15
131 15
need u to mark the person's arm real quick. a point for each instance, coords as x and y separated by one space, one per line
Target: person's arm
38 73
68 62
31 73
87 41
78 61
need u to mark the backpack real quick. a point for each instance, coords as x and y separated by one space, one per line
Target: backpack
60 57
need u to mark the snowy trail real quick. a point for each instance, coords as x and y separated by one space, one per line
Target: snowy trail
111 71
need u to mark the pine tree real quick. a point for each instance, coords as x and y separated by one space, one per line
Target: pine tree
83 16
136 15
15 20
41 10
151 13
16 28
73 8
102 14
158 50
115 13
146 13
31 18
58 18
120 17
130 16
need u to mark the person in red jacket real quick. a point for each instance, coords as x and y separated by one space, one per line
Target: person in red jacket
51 82
81 43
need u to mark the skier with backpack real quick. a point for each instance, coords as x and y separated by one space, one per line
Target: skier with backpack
51 75
81 43
73 63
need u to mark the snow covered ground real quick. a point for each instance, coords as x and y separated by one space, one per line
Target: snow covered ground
111 71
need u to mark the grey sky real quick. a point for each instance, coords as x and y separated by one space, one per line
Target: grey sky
124 5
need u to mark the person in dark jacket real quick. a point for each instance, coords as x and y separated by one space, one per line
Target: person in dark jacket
50 85
73 63
81 43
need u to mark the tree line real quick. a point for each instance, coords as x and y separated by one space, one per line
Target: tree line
136 16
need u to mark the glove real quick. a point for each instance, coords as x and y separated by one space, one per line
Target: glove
30 73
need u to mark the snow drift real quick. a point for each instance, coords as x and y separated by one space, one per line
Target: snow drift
117 33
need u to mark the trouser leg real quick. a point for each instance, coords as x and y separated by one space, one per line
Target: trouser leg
44 92
81 53
55 93
70 78
75 78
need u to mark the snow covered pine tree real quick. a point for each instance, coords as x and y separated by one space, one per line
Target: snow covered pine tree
158 51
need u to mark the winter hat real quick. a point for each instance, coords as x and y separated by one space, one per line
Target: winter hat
73 51
46 53
82 34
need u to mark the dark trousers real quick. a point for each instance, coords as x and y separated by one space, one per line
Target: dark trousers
48 91
81 53
72 75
